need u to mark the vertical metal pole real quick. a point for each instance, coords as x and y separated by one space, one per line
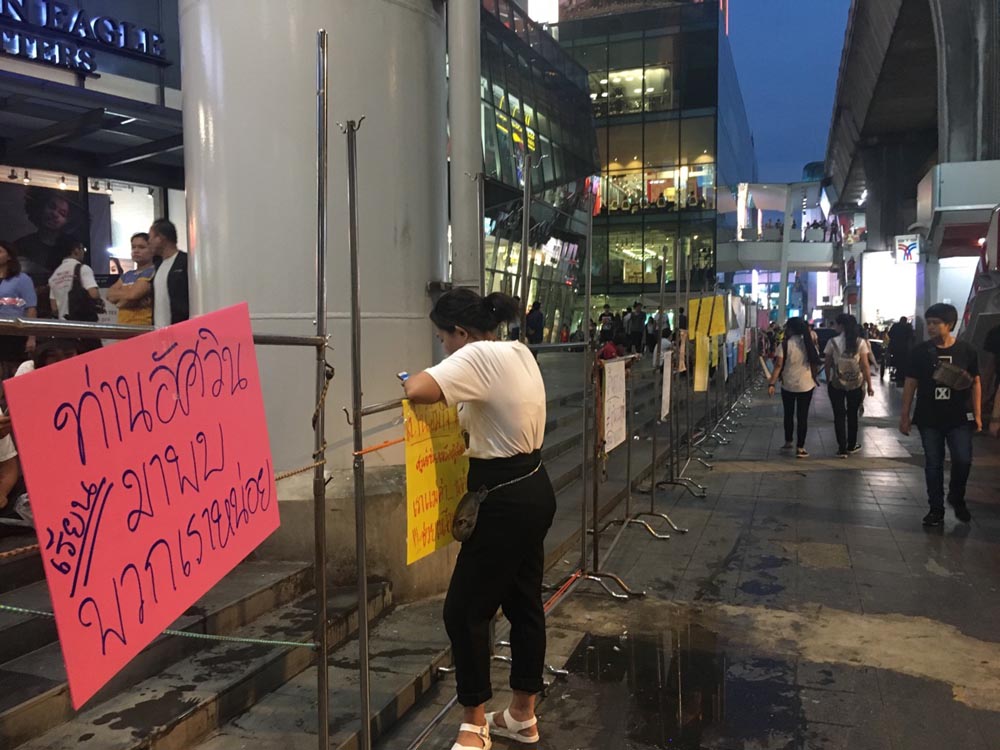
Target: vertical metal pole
628 446
319 478
595 487
675 449
588 369
359 461
659 378
522 266
481 191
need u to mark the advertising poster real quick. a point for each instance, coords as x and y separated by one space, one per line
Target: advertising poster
614 404
149 472
437 471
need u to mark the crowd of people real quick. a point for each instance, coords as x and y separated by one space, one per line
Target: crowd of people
45 276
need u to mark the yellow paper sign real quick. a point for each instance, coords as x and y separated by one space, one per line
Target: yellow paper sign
701 364
436 475
708 316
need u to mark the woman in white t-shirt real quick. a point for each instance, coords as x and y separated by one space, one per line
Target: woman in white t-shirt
501 398
848 371
796 365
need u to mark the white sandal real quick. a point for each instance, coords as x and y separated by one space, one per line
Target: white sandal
512 728
484 735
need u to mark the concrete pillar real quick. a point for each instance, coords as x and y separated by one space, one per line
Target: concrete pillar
466 148
250 159
893 170
966 32
791 214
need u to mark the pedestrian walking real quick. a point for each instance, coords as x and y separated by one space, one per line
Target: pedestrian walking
796 365
502 395
900 341
943 374
636 328
848 372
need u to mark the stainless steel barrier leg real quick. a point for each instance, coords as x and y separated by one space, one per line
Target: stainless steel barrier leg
319 422
351 131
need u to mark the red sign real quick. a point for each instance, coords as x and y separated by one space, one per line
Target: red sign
149 471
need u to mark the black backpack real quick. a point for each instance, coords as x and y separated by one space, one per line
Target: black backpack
81 305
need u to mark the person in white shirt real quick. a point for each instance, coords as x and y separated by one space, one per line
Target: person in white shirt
61 280
796 365
9 469
848 370
501 397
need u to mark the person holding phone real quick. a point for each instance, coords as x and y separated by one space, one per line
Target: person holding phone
501 398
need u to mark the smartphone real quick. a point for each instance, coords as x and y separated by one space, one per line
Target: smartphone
402 376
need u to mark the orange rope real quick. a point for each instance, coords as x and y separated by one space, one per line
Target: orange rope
380 446
562 590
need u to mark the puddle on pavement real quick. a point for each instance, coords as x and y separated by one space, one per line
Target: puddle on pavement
676 689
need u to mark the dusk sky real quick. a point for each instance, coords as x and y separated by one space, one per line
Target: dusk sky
787 56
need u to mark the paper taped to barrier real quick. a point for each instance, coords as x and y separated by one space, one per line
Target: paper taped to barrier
614 404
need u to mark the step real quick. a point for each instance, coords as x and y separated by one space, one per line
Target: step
20 561
36 694
405 648
179 706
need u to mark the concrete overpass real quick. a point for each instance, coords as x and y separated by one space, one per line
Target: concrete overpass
919 86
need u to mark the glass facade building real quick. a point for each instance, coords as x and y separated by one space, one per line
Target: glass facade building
535 103
671 131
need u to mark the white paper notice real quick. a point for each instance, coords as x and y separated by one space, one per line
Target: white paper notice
614 405
668 362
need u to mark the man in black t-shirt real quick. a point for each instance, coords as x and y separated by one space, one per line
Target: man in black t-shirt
943 373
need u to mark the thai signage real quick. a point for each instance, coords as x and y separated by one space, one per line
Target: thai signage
65 36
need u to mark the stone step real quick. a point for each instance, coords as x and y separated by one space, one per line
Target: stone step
36 695
179 706
20 561
405 649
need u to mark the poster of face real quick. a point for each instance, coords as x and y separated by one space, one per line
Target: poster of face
36 221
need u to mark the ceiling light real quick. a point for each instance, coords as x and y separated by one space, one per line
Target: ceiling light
616 80
27 179
635 158
150 193
981 241
107 188
649 90
13 174
636 91
593 96
62 183
604 94
604 81
705 151
629 79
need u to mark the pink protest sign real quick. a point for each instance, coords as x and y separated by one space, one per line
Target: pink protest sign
149 472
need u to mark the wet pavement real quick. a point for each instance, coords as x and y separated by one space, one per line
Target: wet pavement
806 608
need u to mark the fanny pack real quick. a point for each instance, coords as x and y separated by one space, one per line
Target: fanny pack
952 376
467 511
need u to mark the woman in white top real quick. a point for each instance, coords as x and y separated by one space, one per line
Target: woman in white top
796 365
501 397
848 371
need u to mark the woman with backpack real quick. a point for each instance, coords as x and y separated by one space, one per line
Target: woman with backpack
796 365
848 372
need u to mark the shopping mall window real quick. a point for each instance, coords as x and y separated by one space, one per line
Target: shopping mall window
624 193
658 253
660 72
491 151
697 243
662 143
700 78
698 140
599 261
625 255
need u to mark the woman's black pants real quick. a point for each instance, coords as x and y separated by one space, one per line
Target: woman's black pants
796 410
501 566
846 408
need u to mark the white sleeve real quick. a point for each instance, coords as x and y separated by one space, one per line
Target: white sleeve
462 377
7 449
87 280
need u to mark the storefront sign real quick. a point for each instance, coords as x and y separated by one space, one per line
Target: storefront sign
436 476
908 248
59 34
149 474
